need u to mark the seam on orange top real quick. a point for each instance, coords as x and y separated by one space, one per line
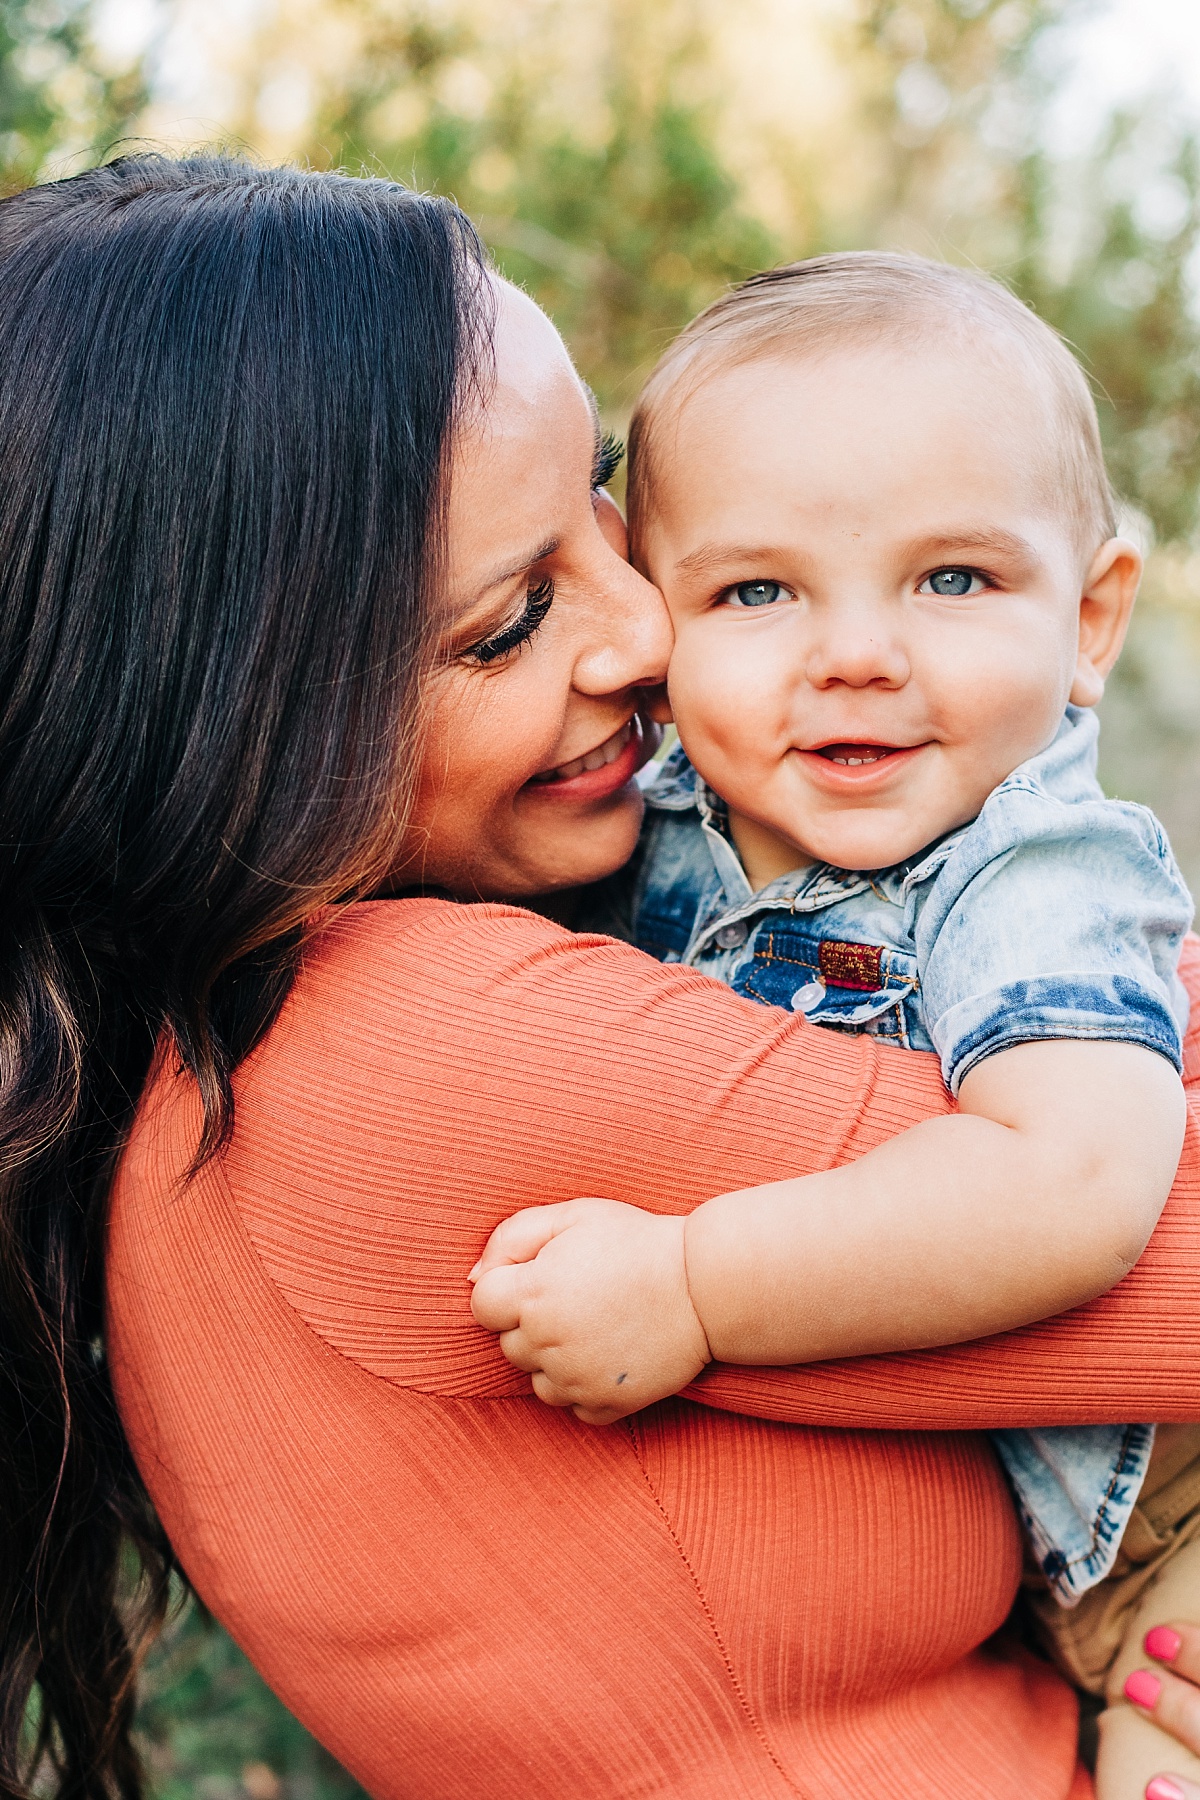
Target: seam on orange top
709 1616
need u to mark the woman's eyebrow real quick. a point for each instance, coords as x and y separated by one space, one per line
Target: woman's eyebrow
510 571
594 409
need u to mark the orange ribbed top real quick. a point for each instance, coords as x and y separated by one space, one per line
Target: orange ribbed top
467 1595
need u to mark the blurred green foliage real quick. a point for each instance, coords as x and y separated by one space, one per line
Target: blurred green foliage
57 99
623 233
211 1729
620 234
626 213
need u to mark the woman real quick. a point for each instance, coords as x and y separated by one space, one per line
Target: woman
307 596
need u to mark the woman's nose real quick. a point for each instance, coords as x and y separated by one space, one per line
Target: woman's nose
628 640
857 646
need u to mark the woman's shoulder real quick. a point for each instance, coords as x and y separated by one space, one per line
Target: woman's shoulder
414 975
360 944
377 950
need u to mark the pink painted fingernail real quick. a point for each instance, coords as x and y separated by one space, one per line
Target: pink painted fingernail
1143 1688
1163 1788
1163 1643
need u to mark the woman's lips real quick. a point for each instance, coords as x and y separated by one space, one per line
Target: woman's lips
598 773
856 765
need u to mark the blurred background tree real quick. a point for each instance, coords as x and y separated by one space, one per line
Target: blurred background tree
60 97
625 160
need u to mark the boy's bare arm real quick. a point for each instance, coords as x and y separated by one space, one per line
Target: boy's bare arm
1041 1193
1037 1196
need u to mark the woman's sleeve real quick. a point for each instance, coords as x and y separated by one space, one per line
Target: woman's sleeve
438 1067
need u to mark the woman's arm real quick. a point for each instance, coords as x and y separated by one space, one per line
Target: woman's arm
481 1059
1038 1195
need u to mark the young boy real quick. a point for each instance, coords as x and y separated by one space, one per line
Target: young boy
872 492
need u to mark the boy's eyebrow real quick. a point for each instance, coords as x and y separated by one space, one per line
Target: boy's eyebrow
992 540
709 556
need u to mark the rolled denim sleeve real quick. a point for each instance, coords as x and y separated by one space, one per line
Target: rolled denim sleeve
1051 919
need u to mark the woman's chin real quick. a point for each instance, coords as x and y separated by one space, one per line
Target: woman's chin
581 843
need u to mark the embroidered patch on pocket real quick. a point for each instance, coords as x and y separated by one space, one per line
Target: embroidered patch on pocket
851 965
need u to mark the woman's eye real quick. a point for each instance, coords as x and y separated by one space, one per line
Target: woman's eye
538 602
952 584
755 593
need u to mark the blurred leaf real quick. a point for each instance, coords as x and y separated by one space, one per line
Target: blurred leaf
57 101
211 1729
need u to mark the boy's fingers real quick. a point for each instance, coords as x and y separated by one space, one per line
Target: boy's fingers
593 1415
1178 1645
546 1391
519 1239
496 1298
1174 1705
522 1353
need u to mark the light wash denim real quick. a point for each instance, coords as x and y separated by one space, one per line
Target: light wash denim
1054 914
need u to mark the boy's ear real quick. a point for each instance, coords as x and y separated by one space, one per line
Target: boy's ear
1109 591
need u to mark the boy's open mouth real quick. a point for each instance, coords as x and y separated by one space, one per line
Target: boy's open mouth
853 756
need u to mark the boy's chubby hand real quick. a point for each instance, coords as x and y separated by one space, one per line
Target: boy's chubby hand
591 1298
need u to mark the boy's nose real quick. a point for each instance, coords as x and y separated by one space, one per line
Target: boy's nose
858 650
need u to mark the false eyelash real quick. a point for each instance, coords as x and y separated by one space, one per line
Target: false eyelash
609 453
538 602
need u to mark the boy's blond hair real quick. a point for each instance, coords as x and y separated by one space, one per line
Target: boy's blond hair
870 296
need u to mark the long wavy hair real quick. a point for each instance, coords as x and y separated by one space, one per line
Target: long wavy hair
226 400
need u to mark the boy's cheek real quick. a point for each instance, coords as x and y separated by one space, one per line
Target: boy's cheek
720 716
717 675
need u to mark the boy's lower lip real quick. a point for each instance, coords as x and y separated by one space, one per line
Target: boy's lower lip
857 766
598 784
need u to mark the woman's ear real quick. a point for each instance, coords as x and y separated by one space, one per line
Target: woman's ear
1109 591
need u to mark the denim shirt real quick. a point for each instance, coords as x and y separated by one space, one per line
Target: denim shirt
1054 914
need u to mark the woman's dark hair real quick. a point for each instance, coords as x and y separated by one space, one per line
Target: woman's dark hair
226 396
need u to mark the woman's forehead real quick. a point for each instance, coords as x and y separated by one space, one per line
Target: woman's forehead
529 356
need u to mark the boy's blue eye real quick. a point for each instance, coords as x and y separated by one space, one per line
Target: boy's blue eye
755 593
952 583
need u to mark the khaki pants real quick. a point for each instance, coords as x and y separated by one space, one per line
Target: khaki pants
1155 1581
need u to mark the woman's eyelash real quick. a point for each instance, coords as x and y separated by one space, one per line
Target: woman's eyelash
609 452
538 602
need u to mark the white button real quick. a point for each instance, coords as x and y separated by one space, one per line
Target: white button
733 934
805 998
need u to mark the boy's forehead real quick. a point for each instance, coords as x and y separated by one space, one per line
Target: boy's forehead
851 423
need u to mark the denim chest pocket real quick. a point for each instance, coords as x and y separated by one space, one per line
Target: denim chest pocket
850 986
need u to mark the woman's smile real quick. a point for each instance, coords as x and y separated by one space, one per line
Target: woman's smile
601 771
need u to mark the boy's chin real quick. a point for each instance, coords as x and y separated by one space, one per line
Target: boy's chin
862 849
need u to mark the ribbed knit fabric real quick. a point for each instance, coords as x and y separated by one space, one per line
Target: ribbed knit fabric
468 1596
